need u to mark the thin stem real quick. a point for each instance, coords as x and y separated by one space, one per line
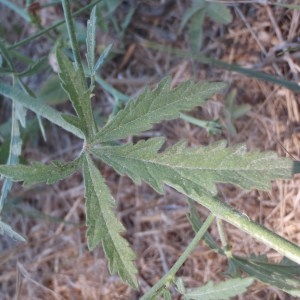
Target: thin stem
223 65
72 35
222 233
59 23
165 280
198 122
53 3
223 237
243 222
212 127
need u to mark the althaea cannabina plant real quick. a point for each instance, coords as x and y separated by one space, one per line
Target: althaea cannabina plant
192 171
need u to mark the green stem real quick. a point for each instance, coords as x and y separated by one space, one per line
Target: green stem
53 3
72 35
59 23
222 233
165 280
243 222
197 122
212 127
294 86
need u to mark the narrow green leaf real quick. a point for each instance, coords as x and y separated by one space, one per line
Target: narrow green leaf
55 25
39 108
21 12
15 149
233 111
241 110
196 223
190 12
195 169
127 20
219 13
107 87
79 94
112 5
212 127
284 275
6 55
224 290
102 58
6 229
91 41
103 226
195 30
35 68
38 172
151 107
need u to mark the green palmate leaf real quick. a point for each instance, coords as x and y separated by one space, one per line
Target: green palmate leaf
104 227
79 94
224 290
37 107
285 275
38 172
151 107
195 169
